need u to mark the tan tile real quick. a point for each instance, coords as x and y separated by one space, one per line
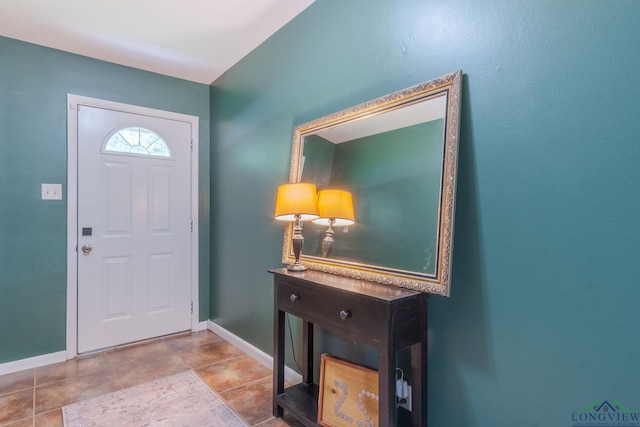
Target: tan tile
152 349
233 373
60 393
252 401
16 406
191 340
50 419
139 370
80 366
25 422
16 381
286 421
204 355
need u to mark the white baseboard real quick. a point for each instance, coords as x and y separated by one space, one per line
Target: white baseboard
32 362
289 374
199 326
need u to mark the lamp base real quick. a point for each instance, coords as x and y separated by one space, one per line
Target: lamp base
296 266
327 242
297 241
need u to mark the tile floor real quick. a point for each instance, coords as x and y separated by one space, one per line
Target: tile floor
34 397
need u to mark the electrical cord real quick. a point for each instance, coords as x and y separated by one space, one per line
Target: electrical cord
293 350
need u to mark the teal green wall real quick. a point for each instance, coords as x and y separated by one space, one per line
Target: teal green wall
34 82
543 316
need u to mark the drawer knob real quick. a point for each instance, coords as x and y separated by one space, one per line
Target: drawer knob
294 297
345 314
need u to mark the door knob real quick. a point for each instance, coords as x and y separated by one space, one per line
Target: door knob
86 249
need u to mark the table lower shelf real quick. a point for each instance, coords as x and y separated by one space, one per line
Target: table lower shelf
302 402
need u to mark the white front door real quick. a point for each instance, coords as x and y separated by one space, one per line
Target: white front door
134 227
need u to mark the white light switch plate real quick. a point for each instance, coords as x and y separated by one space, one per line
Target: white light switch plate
51 191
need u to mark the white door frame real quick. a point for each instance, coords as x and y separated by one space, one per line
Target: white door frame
72 205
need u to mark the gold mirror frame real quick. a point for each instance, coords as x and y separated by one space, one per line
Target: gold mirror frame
438 283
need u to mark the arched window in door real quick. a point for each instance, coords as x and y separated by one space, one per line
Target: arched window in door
137 141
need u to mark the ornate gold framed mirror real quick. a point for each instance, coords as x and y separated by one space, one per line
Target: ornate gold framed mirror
397 156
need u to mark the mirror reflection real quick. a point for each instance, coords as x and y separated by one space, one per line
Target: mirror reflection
396 156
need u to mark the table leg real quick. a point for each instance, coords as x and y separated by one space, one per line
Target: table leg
278 361
419 370
386 386
307 352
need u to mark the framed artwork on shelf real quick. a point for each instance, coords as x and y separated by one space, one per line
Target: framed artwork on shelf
348 394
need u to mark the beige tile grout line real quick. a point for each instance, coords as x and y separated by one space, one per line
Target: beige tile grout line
243 385
216 362
115 373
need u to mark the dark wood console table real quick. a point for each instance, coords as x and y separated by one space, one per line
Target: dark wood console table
384 317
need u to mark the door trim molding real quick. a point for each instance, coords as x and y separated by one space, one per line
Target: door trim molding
72 205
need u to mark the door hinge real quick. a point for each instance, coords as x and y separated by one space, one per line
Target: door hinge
191 307
192 226
192 145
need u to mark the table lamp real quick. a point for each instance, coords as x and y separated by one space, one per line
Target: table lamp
335 207
296 202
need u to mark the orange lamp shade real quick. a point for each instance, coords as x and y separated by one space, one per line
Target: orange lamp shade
335 205
296 199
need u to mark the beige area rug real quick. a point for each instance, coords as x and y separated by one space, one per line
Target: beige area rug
179 400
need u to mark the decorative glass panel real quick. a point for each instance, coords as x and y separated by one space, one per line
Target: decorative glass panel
138 141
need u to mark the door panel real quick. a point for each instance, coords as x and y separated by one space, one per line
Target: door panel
135 282
116 297
159 192
118 198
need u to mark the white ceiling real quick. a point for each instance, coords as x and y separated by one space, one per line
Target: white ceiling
195 40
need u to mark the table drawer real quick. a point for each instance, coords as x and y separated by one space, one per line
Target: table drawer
330 310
